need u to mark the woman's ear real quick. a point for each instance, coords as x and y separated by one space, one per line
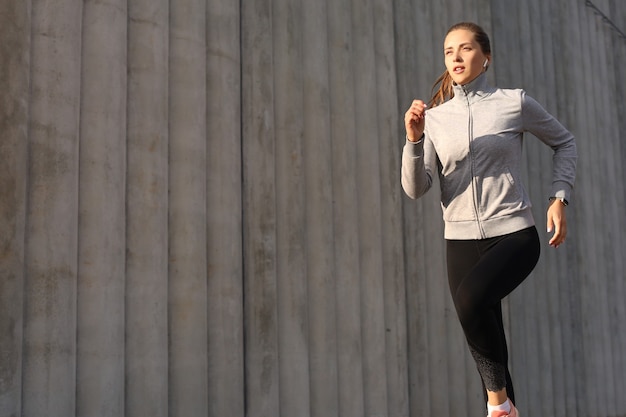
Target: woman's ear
487 62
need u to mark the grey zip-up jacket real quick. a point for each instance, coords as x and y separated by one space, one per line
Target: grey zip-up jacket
474 143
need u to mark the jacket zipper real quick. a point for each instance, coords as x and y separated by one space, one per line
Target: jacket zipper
470 128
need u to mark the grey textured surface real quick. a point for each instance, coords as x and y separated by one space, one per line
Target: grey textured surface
202 213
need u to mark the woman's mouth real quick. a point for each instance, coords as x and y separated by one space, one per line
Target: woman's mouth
458 70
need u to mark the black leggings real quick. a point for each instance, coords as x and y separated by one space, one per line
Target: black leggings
481 273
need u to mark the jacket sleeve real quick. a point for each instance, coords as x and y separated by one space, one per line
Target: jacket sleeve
544 126
416 175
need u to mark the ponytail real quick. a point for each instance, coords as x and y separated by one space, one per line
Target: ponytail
442 90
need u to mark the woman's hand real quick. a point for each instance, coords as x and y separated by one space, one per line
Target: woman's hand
414 120
556 222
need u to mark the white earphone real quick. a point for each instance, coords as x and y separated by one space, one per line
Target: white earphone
485 64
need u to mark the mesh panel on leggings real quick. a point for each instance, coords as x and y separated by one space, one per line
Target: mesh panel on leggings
492 372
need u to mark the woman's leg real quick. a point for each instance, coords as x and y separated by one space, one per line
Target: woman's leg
481 273
510 392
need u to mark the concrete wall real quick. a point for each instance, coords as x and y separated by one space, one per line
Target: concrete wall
202 215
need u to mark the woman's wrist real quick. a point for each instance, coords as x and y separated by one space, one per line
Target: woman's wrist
415 140
561 199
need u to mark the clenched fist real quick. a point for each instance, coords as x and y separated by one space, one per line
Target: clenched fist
414 120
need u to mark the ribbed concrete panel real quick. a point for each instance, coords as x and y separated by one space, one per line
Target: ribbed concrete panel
260 222
51 251
14 82
367 177
187 291
147 208
202 212
290 203
224 269
319 244
102 212
392 249
345 206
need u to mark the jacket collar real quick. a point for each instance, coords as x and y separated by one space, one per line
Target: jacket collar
473 91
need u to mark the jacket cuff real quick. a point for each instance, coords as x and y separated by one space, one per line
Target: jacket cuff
561 189
420 140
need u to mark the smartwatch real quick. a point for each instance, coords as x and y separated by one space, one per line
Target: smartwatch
561 199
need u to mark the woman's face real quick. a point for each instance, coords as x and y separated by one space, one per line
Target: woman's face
463 56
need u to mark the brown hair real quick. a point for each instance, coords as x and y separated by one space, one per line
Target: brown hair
442 88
